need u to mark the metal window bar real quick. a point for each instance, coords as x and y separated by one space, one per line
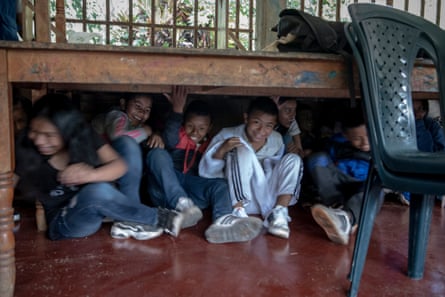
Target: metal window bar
233 33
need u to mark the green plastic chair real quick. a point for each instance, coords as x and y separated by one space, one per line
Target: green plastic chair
385 43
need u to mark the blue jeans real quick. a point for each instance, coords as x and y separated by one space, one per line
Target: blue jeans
166 185
131 152
85 212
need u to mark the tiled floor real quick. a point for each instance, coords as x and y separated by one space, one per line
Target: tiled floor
305 265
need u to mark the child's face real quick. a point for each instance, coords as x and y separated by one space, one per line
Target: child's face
196 127
138 110
419 112
19 117
286 112
259 126
45 136
358 137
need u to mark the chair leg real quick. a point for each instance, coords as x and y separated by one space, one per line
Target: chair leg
371 205
421 208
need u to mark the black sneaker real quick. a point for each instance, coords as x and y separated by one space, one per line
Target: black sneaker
137 231
170 221
335 222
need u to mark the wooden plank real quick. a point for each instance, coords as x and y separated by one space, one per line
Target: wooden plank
7 260
209 72
70 65
42 21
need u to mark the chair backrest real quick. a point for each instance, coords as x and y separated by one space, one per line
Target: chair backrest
386 42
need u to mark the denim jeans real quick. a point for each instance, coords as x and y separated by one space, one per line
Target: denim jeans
166 185
84 214
131 152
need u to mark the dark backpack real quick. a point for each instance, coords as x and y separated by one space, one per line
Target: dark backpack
313 34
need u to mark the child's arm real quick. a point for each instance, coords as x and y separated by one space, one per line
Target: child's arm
296 147
116 124
80 173
177 98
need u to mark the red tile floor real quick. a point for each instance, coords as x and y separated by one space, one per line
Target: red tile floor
305 265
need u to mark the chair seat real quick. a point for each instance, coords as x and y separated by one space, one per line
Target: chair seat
415 162
412 182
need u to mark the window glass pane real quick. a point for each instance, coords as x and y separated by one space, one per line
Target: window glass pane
163 38
119 10
164 13
96 10
73 9
142 11
206 14
185 13
119 35
206 39
141 36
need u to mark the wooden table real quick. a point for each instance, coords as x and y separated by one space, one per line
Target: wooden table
44 66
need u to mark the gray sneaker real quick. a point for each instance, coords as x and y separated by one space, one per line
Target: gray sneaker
335 222
170 221
191 213
137 231
230 228
278 222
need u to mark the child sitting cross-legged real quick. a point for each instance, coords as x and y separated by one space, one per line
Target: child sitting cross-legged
173 174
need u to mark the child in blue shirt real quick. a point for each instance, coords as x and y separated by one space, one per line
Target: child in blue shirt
339 174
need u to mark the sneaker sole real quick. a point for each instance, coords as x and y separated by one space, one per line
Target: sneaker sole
325 221
191 217
124 233
240 231
278 232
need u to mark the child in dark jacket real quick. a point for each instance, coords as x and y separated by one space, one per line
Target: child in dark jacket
173 174
339 174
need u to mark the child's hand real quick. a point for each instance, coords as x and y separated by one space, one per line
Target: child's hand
295 149
76 174
228 145
155 140
275 99
177 98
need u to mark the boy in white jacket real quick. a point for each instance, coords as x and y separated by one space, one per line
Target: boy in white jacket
250 156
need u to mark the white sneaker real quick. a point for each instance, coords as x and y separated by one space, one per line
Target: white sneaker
240 212
335 222
135 230
278 222
190 212
230 228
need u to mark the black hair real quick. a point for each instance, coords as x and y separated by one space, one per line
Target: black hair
23 102
282 99
352 118
263 104
133 96
197 108
75 131
425 106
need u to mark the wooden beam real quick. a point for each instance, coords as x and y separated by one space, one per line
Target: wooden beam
42 21
7 243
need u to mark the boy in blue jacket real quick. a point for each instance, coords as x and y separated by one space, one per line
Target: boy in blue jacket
339 174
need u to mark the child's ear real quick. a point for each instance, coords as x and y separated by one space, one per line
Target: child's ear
122 103
246 117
